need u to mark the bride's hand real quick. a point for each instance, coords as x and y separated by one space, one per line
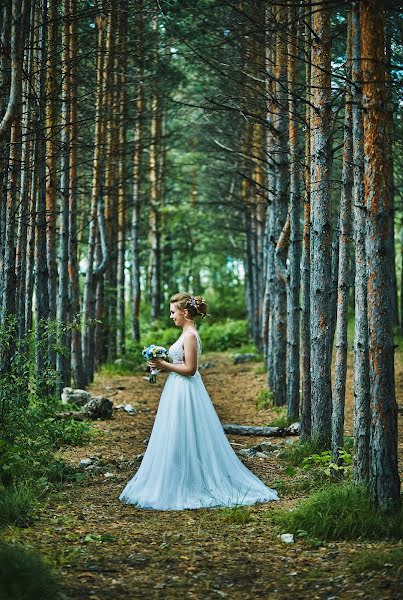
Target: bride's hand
156 363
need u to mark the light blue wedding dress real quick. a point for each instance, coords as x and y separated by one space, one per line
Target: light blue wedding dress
189 462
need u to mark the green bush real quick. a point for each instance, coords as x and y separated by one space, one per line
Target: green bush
216 337
26 576
337 512
224 335
17 505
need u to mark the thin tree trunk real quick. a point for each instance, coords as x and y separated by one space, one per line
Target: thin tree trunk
41 269
294 252
137 172
320 251
344 269
63 300
279 313
76 342
305 260
122 87
361 366
88 332
51 161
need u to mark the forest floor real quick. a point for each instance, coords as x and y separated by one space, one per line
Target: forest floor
109 550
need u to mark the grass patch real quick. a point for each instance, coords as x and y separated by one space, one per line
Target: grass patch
299 451
378 560
17 505
236 514
264 399
342 511
25 575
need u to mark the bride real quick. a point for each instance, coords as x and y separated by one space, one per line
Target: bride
189 462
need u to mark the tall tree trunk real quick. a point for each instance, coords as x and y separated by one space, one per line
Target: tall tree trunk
111 187
384 475
63 301
361 366
137 172
52 102
294 253
88 332
321 289
122 87
76 342
279 314
305 260
344 268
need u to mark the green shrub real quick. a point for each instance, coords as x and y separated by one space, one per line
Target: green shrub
375 560
17 505
340 511
223 335
236 514
264 399
25 576
281 420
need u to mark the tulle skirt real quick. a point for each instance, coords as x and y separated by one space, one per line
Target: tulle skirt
189 462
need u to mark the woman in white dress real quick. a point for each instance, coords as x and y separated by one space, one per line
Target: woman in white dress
189 462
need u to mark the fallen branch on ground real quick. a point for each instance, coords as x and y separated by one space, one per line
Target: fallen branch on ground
264 431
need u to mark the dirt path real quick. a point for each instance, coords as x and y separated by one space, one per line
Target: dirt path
109 550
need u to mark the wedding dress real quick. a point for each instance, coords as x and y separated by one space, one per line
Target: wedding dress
189 462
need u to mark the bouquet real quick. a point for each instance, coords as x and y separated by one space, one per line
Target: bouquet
155 352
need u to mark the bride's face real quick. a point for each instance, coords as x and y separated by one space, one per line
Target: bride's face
177 316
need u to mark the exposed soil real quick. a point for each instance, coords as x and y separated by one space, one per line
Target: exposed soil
136 553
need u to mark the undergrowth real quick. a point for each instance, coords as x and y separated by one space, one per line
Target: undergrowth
339 511
25 575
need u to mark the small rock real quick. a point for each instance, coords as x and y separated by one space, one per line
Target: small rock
72 396
109 475
248 451
287 538
127 408
243 358
146 441
85 462
261 454
294 429
140 456
207 365
99 407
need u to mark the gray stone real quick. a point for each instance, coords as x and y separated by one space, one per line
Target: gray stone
72 396
243 358
99 408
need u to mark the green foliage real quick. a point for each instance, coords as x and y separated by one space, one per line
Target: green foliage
216 337
340 511
325 462
29 432
17 505
377 560
25 576
236 514
264 399
224 335
296 453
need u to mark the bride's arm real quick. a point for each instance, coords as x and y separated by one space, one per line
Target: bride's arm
190 365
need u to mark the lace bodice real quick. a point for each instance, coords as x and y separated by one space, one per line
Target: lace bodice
176 351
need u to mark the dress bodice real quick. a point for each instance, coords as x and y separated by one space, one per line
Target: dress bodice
176 351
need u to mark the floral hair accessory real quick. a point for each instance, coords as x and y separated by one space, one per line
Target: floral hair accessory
192 302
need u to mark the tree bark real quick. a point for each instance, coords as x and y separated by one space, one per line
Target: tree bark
305 259
361 365
320 250
384 475
340 370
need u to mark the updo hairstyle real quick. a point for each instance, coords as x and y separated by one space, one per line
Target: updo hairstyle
196 305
